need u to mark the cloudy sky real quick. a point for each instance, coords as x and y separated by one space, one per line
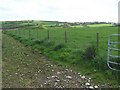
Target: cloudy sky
60 10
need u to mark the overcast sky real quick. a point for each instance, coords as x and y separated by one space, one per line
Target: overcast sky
60 10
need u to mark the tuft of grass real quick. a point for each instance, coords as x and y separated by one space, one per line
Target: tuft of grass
48 43
37 42
59 46
90 53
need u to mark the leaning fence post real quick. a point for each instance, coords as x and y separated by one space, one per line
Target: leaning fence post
97 41
65 37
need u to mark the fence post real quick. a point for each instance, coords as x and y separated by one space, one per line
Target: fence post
24 33
19 32
37 34
97 41
65 37
15 32
48 35
29 34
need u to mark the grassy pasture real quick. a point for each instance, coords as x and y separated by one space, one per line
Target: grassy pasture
100 25
78 39
93 25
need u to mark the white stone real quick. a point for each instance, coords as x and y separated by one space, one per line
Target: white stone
66 69
48 77
22 75
65 80
60 87
96 86
36 74
55 84
53 76
69 77
58 72
78 73
51 65
39 71
48 66
90 78
56 77
91 87
87 84
16 73
83 77
45 83
57 80
52 70
41 85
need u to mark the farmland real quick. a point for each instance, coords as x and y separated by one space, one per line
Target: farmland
68 46
77 38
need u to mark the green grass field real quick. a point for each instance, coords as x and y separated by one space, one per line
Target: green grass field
76 37
70 53
100 25
93 25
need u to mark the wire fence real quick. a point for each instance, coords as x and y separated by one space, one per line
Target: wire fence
72 39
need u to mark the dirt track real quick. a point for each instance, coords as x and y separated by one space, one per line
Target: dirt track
23 68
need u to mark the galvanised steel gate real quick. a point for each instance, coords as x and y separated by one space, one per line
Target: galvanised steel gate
113 60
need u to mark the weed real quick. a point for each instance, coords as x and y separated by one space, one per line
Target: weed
59 46
90 52
48 43
77 52
37 42
64 56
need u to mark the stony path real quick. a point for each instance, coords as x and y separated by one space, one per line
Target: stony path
23 68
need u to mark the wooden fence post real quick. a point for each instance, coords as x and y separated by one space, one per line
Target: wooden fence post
22 31
97 41
16 32
37 34
48 35
65 37
29 35
19 32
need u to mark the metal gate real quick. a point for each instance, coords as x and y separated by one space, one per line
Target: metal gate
113 60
